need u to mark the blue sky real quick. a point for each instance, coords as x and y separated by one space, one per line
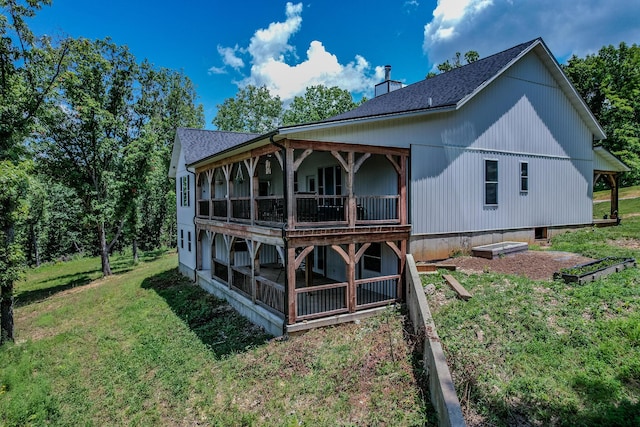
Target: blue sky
287 46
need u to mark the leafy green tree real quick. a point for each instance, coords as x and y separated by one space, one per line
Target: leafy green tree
318 103
13 186
90 145
167 100
609 82
29 70
252 110
469 57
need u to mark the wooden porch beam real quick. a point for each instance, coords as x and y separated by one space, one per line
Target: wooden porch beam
345 147
361 252
360 161
299 160
302 256
341 252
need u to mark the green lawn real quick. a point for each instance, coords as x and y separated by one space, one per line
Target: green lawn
146 347
544 352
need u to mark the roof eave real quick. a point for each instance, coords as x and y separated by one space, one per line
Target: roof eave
360 120
565 84
234 150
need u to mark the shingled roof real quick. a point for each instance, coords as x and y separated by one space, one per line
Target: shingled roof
444 90
198 144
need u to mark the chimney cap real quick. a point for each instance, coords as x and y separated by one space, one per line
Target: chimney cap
387 72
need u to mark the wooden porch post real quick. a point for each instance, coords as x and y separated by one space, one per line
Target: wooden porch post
252 167
289 196
198 194
291 284
351 277
402 191
254 251
226 169
613 180
228 240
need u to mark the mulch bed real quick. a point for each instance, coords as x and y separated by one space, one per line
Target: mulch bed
536 265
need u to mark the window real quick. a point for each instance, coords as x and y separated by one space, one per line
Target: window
490 182
189 241
372 258
184 190
524 177
182 239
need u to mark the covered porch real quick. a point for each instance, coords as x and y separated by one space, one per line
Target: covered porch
306 278
607 168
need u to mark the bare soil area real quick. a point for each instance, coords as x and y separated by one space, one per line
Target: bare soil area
536 265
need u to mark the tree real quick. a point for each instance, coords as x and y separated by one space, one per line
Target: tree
252 110
29 71
167 101
318 103
13 187
609 82
90 144
470 56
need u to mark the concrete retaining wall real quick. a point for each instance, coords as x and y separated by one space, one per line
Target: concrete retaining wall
441 388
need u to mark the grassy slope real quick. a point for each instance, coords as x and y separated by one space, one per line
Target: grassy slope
524 352
145 347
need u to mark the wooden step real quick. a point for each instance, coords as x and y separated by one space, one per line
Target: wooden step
456 286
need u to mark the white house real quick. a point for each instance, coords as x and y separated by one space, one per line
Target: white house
313 222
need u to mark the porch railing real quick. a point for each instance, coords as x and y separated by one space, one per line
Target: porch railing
270 208
270 294
312 208
220 270
241 208
204 208
376 291
219 208
378 208
242 280
321 301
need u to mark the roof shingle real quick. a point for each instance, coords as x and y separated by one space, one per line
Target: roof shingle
444 90
198 144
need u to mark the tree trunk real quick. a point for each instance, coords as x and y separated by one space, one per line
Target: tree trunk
34 244
104 251
135 251
6 295
6 313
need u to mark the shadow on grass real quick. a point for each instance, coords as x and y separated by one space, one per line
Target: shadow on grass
215 322
29 297
74 280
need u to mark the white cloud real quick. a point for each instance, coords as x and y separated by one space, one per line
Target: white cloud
229 56
275 65
489 26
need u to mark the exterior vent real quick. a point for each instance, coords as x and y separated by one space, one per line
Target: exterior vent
387 85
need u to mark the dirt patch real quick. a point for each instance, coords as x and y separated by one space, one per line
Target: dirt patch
625 243
536 265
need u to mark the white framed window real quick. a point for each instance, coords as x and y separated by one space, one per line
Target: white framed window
490 182
189 241
524 177
182 238
185 183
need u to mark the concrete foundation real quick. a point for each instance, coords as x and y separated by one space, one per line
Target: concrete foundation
433 247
